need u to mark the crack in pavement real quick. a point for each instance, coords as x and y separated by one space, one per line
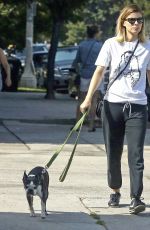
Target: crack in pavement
18 138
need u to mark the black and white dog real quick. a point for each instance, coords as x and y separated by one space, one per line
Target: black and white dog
36 183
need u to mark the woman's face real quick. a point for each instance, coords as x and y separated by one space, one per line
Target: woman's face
133 23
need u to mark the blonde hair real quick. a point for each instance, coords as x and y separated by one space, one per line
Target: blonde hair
120 29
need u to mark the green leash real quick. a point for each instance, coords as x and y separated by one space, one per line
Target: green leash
77 126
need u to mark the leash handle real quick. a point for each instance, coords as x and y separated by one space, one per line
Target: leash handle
77 126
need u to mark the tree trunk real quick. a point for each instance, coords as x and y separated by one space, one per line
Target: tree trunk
51 60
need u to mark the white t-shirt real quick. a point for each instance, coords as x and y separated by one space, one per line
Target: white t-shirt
130 86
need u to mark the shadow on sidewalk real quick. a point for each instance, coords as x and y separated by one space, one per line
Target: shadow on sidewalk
126 221
54 220
19 132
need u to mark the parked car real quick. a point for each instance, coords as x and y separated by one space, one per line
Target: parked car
63 64
40 63
40 47
37 48
21 56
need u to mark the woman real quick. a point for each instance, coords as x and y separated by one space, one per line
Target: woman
125 103
4 63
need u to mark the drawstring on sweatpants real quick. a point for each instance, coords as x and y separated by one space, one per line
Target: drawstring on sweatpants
127 105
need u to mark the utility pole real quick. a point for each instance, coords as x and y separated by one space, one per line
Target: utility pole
28 78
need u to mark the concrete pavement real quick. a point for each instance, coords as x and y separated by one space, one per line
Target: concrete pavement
31 129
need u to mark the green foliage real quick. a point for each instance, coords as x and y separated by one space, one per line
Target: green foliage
11 26
101 12
50 18
42 24
62 9
75 33
104 13
13 23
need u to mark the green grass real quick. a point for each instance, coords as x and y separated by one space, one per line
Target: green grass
97 218
36 90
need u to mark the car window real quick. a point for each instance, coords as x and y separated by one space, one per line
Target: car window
38 48
62 55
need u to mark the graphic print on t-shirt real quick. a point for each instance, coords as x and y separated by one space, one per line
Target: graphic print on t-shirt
132 72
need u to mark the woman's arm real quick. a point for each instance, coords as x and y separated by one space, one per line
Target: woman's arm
6 67
95 82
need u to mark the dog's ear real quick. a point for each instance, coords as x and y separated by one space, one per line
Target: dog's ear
24 177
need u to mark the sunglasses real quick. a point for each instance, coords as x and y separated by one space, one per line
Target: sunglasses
133 20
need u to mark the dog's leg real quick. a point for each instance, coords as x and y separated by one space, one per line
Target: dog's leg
45 201
46 213
43 208
30 202
45 194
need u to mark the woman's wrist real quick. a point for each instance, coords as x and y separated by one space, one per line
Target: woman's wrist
88 98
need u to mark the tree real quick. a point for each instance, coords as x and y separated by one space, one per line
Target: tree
13 17
104 13
61 11
51 17
75 32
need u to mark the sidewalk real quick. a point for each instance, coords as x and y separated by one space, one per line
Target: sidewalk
33 107
31 129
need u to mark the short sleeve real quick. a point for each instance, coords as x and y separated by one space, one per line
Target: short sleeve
103 58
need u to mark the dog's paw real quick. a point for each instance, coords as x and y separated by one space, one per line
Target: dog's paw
43 215
32 214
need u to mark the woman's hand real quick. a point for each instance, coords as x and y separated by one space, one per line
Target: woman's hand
85 106
5 64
